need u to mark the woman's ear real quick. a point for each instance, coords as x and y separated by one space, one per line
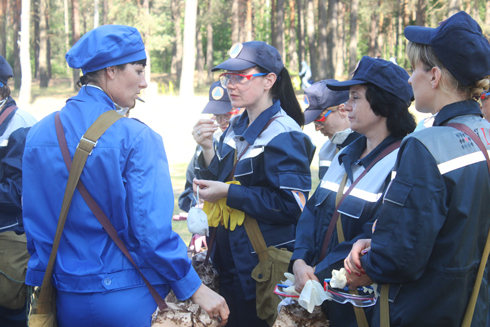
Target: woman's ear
435 77
341 110
111 72
270 79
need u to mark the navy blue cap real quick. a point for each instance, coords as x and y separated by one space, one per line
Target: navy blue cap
219 102
459 44
382 73
251 54
105 46
319 97
5 71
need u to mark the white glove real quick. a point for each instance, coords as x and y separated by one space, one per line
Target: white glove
312 295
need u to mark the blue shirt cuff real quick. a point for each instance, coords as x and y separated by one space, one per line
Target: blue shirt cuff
187 286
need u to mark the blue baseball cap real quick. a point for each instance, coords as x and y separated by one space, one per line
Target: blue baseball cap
384 74
105 46
459 44
5 71
318 98
219 102
250 54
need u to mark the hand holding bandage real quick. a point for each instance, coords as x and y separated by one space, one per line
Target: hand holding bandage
219 213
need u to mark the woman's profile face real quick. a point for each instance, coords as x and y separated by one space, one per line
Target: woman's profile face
127 84
361 117
422 88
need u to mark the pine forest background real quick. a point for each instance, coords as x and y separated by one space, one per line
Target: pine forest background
185 39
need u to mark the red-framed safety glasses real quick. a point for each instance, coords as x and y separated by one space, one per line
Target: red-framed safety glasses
237 79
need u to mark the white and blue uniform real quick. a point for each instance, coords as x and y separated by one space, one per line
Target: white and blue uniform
275 179
357 215
128 176
330 148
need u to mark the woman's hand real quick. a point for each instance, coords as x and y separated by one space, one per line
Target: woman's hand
210 191
213 303
302 274
203 133
353 261
354 280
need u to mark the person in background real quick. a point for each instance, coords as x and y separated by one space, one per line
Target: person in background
14 125
219 106
273 157
433 224
485 105
326 109
379 98
305 75
127 175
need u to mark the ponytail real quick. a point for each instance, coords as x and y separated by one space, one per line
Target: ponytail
284 92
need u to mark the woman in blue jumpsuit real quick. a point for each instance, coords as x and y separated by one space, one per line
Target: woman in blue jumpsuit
273 170
379 97
127 175
434 220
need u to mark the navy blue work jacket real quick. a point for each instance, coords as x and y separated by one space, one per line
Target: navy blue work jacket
13 132
127 174
330 148
433 224
275 181
356 213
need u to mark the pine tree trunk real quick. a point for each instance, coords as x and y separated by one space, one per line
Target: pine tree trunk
96 13
421 16
273 23
75 36
176 65
353 35
199 58
146 39
67 32
209 47
25 89
280 29
17 8
454 6
35 9
189 58
301 33
333 11
292 51
311 38
248 23
3 24
48 46
43 45
487 13
340 57
242 17
322 39
235 21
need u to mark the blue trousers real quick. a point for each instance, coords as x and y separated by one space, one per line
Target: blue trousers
125 308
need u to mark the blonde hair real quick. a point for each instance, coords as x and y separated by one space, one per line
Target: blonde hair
424 54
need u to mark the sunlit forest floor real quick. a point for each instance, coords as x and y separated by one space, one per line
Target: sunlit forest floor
169 115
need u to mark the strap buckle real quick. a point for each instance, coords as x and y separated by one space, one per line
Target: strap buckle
89 141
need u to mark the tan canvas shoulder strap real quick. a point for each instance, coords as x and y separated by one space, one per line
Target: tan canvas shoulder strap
256 238
84 149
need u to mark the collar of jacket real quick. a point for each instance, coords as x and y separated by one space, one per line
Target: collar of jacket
351 153
253 131
469 107
93 94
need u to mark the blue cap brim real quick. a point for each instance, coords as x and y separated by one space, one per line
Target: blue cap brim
234 64
311 115
419 34
217 107
342 86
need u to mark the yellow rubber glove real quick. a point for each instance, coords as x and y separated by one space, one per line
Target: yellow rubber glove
220 213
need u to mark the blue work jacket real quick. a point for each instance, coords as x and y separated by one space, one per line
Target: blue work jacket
275 180
127 174
433 224
356 214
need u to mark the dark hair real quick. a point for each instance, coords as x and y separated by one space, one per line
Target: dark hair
93 77
283 91
4 92
400 121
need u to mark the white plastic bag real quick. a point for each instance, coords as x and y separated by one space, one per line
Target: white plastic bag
197 220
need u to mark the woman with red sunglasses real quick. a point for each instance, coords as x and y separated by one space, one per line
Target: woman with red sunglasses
273 158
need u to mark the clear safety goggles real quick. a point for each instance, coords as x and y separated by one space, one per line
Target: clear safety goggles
342 296
237 79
